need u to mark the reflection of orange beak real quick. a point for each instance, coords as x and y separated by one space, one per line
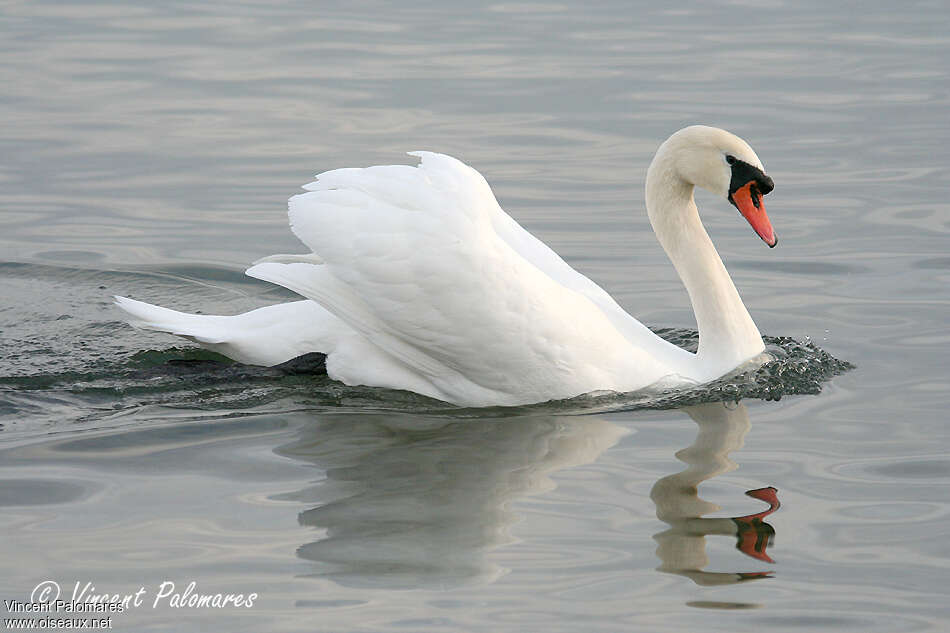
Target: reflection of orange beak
754 534
753 537
749 202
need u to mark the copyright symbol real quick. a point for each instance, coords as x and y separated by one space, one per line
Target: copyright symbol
46 591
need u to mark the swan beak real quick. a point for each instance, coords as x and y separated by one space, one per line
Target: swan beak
749 202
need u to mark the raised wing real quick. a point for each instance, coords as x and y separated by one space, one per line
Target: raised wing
424 264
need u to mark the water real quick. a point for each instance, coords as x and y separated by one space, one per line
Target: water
147 150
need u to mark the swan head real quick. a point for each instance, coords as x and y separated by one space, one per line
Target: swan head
724 164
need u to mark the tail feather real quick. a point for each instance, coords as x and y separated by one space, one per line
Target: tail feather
197 327
266 336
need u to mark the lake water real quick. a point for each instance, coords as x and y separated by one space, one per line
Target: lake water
148 149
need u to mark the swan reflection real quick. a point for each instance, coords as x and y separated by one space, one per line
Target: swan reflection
410 501
682 548
418 502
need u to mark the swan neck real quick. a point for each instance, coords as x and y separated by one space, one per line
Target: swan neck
727 335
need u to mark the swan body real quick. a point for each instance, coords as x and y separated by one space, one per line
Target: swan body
418 280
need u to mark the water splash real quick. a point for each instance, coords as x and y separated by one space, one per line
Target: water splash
796 368
201 381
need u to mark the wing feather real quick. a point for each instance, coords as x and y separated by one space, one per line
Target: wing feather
424 264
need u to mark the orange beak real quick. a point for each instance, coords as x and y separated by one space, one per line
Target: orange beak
749 202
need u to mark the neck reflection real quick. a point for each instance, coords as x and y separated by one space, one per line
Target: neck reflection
682 548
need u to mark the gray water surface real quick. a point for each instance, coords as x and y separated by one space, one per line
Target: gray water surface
148 149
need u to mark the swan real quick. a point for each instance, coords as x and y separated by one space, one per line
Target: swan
418 280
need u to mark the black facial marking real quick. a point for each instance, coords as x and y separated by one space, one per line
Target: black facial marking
743 173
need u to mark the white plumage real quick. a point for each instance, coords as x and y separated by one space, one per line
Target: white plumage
418 280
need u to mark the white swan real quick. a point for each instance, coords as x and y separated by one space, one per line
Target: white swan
418 280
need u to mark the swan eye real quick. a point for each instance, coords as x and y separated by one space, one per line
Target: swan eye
730 159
